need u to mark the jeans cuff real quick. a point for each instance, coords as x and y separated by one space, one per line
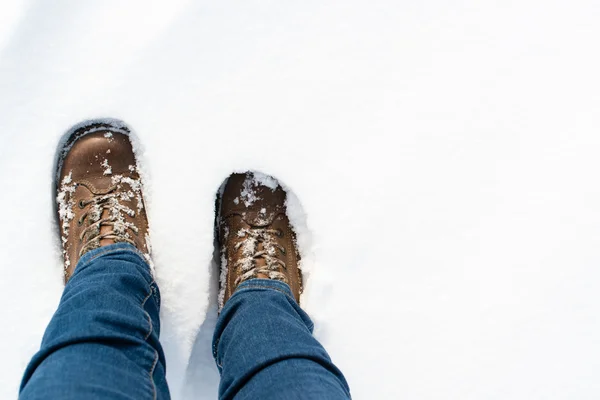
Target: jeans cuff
120 247
270 284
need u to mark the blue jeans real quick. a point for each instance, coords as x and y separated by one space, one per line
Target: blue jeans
102 342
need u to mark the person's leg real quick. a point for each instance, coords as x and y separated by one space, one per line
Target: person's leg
102 342
264 348
263 343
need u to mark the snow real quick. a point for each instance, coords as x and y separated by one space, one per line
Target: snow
107 167
444 156
65 211
248 194
262 179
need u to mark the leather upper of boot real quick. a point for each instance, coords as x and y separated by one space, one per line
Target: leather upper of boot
255 236
99 194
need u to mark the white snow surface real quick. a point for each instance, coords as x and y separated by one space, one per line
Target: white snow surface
444 155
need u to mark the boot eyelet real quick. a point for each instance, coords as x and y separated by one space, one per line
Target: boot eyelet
283 251
279 233
81 204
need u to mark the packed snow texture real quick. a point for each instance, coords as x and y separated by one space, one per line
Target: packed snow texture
443 155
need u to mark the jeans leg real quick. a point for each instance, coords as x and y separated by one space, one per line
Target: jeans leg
102 342
264 348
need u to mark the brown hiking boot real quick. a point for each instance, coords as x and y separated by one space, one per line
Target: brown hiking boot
254 233
99 193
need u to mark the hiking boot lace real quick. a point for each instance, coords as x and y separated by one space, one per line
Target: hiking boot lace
250 254
115 218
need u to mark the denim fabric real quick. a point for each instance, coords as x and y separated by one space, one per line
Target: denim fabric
102 342
264 348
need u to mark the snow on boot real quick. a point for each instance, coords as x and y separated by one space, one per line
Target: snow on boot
99 193
254 234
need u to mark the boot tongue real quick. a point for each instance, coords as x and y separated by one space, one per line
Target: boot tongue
105 229
101 186
260 262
